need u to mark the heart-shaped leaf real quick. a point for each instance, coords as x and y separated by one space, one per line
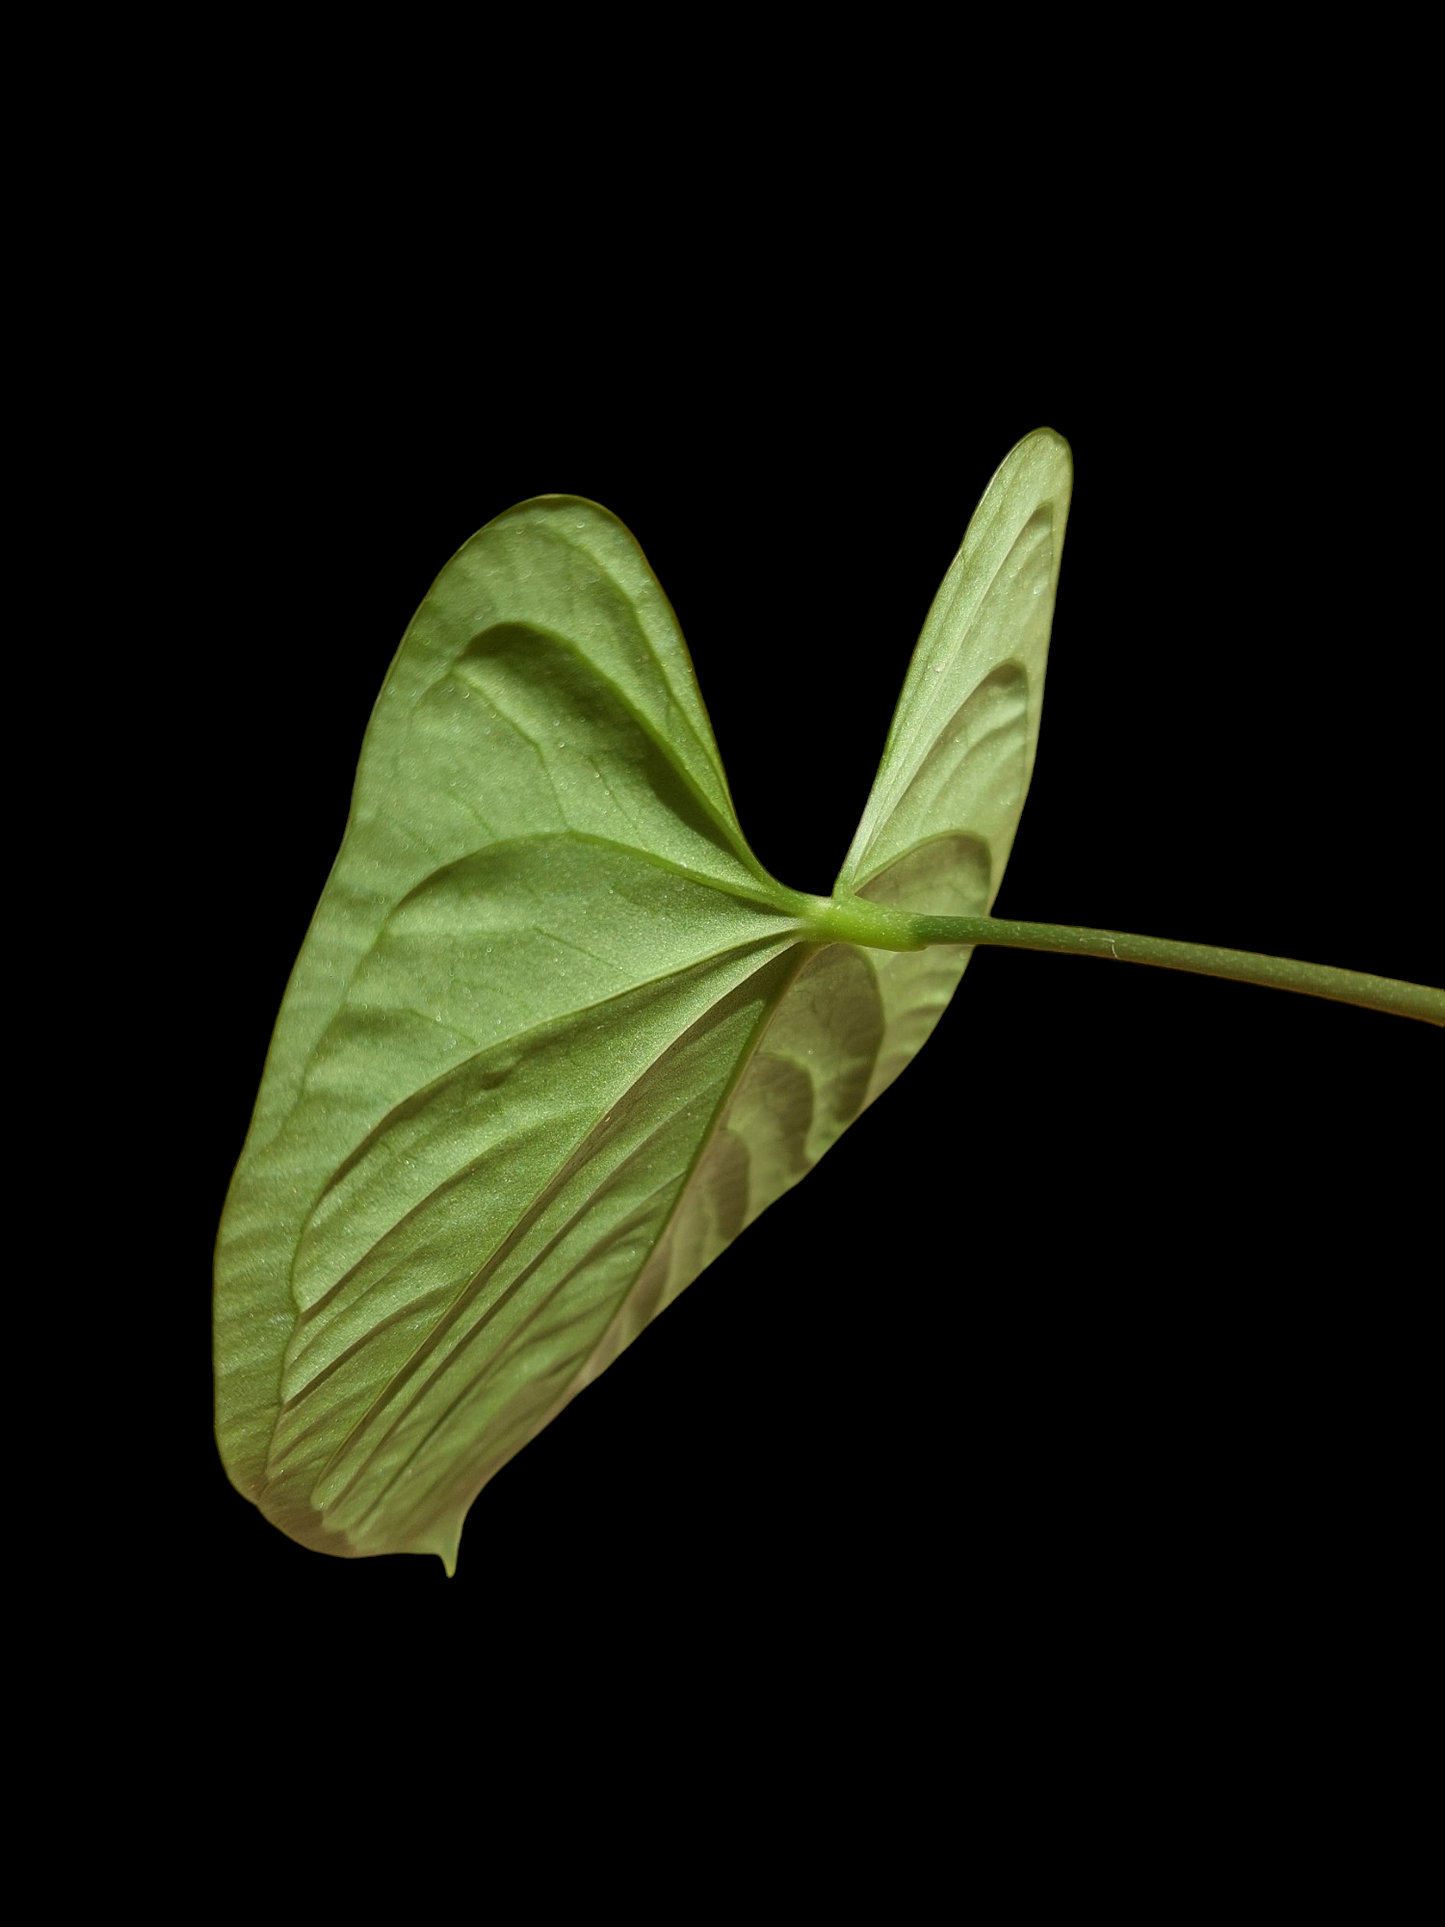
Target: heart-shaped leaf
555 1037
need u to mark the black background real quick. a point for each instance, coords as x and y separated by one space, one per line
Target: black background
1097 1337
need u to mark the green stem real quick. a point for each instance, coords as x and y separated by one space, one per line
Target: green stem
1281 973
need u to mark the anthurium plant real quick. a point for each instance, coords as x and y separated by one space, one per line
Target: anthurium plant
556 1037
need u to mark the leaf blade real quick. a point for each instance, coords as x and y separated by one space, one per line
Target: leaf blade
555 1037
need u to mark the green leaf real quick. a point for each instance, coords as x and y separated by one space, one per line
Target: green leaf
555 1037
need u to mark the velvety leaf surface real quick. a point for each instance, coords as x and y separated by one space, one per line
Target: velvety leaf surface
554 1037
